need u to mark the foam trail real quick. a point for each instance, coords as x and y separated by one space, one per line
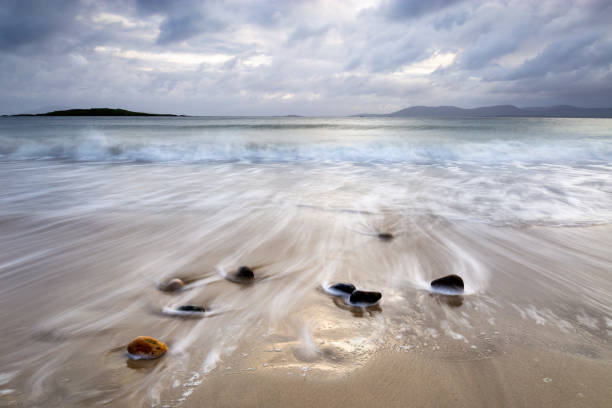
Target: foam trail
308 345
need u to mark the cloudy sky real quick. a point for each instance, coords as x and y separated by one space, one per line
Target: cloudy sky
302 57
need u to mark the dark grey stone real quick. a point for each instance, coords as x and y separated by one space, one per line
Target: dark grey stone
347 288
191 308
450 282
360 296
385 236
245 273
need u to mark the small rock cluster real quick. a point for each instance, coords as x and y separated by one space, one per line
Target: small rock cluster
147 348
354 296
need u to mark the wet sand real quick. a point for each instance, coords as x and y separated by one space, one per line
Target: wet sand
533 328
517 378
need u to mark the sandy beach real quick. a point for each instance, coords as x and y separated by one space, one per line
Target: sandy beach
283 341
88 247
517 378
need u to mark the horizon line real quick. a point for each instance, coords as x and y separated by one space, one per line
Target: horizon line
314 116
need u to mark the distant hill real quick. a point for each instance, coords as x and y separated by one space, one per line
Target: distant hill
95 112
560 111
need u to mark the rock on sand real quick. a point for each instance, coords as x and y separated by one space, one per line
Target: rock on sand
450 282
172 285
361 297
146 348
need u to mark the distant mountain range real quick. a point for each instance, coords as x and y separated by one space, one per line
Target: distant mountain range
559 111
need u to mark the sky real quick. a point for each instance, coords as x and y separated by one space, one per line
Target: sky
283 57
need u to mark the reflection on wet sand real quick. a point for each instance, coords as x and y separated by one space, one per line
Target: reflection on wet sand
450 300
357 311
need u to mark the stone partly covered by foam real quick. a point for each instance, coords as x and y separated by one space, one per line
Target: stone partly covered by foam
146 348
172 285
363 298
452 283
245 273
191 308
340 289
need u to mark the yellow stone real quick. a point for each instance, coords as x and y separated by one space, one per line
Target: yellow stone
172 285
145 347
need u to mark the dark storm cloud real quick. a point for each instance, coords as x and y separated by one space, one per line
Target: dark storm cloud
163 6
309 57
586 52
183 19
489 47
183 27
33 22
408 9
448 21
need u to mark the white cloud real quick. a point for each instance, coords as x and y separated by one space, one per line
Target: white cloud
257 60
429 65
182 59
109 18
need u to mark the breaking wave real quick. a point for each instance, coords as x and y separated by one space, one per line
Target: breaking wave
372 140
102 148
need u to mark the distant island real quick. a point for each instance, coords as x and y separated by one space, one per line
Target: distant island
95 112
559 111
